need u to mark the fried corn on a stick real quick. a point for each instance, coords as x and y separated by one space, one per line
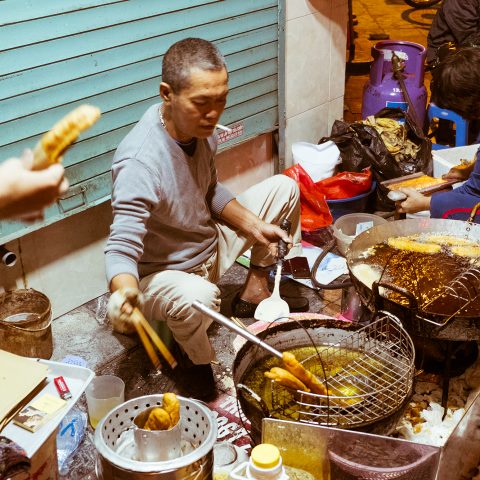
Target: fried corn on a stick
51 146
158 419
471 251
448 240
285 379
409 245
306 377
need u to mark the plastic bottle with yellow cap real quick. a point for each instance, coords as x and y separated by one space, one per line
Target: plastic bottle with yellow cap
265 464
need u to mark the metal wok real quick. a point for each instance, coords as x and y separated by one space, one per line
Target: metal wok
465 327
285 337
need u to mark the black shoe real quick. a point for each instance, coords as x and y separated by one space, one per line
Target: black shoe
243 309
198 382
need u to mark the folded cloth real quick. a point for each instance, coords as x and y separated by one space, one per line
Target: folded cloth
243 309
14 462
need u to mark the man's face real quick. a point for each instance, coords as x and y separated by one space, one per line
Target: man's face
196 109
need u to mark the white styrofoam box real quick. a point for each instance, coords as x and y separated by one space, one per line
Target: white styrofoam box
444 159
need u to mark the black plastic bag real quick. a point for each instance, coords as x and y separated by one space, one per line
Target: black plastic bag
362 146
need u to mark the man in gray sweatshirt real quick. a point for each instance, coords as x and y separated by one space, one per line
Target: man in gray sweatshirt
176 229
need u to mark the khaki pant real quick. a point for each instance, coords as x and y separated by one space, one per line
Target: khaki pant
170 293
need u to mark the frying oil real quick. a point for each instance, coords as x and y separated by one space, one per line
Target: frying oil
283 405
423 275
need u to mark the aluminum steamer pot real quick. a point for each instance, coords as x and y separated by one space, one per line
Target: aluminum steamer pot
286 336
460 327
198 427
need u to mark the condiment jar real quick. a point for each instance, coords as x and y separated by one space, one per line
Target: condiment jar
265 464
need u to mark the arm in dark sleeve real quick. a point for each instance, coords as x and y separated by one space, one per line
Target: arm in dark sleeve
462 17
133 197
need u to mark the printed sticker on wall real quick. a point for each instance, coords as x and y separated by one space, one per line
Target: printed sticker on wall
236 130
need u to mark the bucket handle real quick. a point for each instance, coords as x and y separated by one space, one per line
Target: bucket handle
28 330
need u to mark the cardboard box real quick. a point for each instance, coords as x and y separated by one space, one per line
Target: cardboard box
44 464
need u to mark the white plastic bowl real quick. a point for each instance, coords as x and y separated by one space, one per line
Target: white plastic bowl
347 227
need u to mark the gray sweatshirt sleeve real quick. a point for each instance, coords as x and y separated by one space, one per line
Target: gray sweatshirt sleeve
133 197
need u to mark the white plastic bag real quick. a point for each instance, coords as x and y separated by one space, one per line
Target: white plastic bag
319 161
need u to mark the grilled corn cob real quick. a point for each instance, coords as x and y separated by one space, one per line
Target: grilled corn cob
409 245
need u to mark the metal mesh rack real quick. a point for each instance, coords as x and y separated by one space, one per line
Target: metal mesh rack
370 374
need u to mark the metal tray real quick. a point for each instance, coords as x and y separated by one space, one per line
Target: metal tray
427 190
77 379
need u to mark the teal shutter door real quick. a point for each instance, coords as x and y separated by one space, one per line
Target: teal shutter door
59 54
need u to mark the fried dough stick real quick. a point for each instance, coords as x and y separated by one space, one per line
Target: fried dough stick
286 379
306 377
158 419
172 406
52 145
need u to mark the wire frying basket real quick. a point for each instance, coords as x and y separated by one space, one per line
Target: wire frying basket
369 375
456 296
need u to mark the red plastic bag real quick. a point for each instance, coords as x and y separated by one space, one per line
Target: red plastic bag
313 196
346 184
314 209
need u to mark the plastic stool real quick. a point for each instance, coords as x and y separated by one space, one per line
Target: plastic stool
461 125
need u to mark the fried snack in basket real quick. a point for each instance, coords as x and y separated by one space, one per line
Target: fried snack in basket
410 245
285 379
158 419
299 371
172 406
52 145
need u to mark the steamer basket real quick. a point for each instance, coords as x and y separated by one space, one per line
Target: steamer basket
198 427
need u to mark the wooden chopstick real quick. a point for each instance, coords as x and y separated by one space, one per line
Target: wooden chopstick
162 348
147 333
238 322
145 341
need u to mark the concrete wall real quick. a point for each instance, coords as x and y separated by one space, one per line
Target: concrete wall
65 260
315 68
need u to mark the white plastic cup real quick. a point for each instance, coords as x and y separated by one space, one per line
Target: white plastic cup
104 393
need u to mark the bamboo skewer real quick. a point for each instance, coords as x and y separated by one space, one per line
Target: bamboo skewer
146 332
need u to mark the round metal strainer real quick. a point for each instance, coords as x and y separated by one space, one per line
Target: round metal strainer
199 431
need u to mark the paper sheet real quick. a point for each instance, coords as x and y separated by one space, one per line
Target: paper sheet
332 266
19 376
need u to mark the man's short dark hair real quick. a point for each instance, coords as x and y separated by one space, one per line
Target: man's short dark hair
456 83
186 54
